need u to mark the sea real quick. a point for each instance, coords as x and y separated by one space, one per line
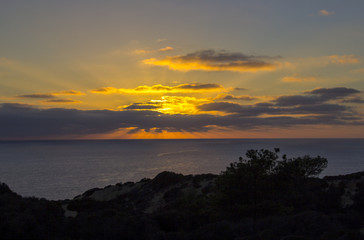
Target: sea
58 170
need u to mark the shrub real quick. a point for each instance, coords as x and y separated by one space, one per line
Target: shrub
263 179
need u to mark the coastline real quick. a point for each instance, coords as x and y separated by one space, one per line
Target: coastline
176 206
59 170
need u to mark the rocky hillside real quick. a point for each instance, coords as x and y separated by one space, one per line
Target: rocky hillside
151 195
258 198
173 206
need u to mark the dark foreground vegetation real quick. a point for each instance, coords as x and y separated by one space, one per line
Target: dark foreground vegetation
262 196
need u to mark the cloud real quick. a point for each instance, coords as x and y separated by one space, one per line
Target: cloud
343 60
145 51
297 100
166 49
319 102
316 96
23 121
232 97
140 106
156 89
222 107
105 90
239 89
69 92
211 60
298 79
50 95
326 13
62 101
321 106
20 121
171 105
354 100
142 51
161 40
262 110
320 61
333 93
37 96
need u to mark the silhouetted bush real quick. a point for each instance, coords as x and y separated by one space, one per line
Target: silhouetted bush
263 184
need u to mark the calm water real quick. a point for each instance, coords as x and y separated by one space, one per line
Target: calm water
64 169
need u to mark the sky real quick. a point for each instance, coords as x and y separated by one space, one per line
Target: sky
181 69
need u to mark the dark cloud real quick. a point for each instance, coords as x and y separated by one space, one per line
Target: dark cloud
69 92
239 89
141 106
264 104
332 109
297 100
211 60
37 96
245 98
199 86
221 107
260 109
211 55
61 101
24 121
51 95
354 100
333 93
317 96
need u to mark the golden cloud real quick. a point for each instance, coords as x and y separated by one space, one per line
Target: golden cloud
171 105
344 59
142 51
324 12
210 60
156 89
166 49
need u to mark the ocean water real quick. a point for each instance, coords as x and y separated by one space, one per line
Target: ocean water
63 169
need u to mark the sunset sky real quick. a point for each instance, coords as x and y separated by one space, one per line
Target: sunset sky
181 69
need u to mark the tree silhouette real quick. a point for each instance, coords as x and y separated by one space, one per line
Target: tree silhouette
259 180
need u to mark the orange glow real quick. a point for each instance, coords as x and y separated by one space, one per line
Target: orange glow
162 135
180 105
159 88
178 65
174 105
219 132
